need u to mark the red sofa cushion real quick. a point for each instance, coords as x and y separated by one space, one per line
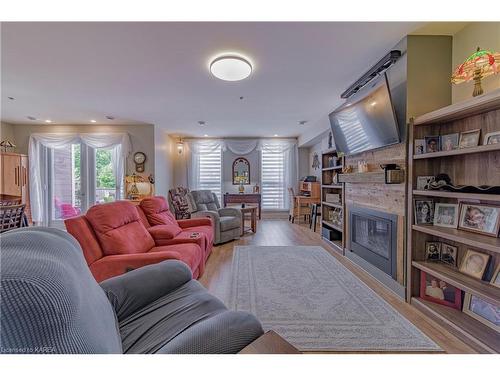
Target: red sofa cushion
164 232
119 229
115 265
80 228
157 211
189 253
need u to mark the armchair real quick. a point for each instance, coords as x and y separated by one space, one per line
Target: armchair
52 304
226 221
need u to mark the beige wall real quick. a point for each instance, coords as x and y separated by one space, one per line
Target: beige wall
7 133
141 137
477 34
164 161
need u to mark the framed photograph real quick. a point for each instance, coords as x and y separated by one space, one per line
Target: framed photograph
495 280
449 254
474 263
437 291
424 211
449 142
483 311
419 146
469 139
480 218
491 138
432 143
446 215
423 181
432 251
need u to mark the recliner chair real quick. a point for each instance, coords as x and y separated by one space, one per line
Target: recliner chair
51 303
226 221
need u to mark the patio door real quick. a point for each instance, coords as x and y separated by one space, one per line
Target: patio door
79 176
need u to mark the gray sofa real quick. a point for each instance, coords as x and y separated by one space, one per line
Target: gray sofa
52 304
227 221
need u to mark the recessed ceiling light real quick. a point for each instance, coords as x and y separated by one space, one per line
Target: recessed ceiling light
231 67
11 98
206 135
202 123
93 121
48 121
276 135
303 122
31 118
110 117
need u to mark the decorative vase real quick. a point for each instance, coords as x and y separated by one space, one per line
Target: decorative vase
241 188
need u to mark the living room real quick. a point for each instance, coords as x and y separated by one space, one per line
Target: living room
257 187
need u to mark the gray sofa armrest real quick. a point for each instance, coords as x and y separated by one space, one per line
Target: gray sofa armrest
230 211
225 333
214 215
138 288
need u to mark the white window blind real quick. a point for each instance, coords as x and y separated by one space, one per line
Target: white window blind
273 177
210 168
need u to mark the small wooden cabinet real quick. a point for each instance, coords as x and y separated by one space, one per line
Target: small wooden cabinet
15 178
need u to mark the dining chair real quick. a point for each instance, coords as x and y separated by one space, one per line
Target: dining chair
11 217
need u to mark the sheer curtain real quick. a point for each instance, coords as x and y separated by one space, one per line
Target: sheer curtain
119 143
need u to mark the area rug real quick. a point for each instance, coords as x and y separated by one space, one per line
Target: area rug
314 302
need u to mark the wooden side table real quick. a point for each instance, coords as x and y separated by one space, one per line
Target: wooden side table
270 343
252 210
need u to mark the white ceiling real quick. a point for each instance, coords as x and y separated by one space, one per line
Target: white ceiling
158 73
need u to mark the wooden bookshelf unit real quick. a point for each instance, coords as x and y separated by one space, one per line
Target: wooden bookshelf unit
332 232
475 166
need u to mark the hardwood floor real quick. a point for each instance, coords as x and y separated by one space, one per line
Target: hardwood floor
283 233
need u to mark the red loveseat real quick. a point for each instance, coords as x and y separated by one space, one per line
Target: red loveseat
166 230
114 240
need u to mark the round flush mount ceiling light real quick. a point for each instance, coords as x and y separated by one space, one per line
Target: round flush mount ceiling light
231 67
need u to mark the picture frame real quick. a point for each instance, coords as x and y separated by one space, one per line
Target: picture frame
474 264
432 143
419 146
495 279
433 251
491 138
423 181
449 142
469 138
438 291
480 218
449 254
424 211
446 215
483 311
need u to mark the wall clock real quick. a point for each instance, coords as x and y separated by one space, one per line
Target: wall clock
139 160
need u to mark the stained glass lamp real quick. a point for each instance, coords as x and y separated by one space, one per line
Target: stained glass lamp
480 64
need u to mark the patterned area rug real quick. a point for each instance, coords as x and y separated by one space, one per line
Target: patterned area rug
314 302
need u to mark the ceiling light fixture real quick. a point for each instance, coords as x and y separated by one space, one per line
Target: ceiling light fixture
11 98
303 122
231 67
93 121
31 118
48 121
206 135
276 135
202 123
110 117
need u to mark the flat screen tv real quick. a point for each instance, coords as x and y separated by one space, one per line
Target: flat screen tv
367 121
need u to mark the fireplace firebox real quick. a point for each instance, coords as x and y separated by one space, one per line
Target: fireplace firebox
373 237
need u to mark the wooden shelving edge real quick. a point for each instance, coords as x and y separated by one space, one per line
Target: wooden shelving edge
471 107
463 282
336 205
377 177
473 332
459 151
464 196
333 226
333 168
467 238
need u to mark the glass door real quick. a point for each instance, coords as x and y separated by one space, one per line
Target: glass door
103 182
66 184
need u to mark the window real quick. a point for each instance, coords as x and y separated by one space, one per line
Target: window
273 177
210 168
